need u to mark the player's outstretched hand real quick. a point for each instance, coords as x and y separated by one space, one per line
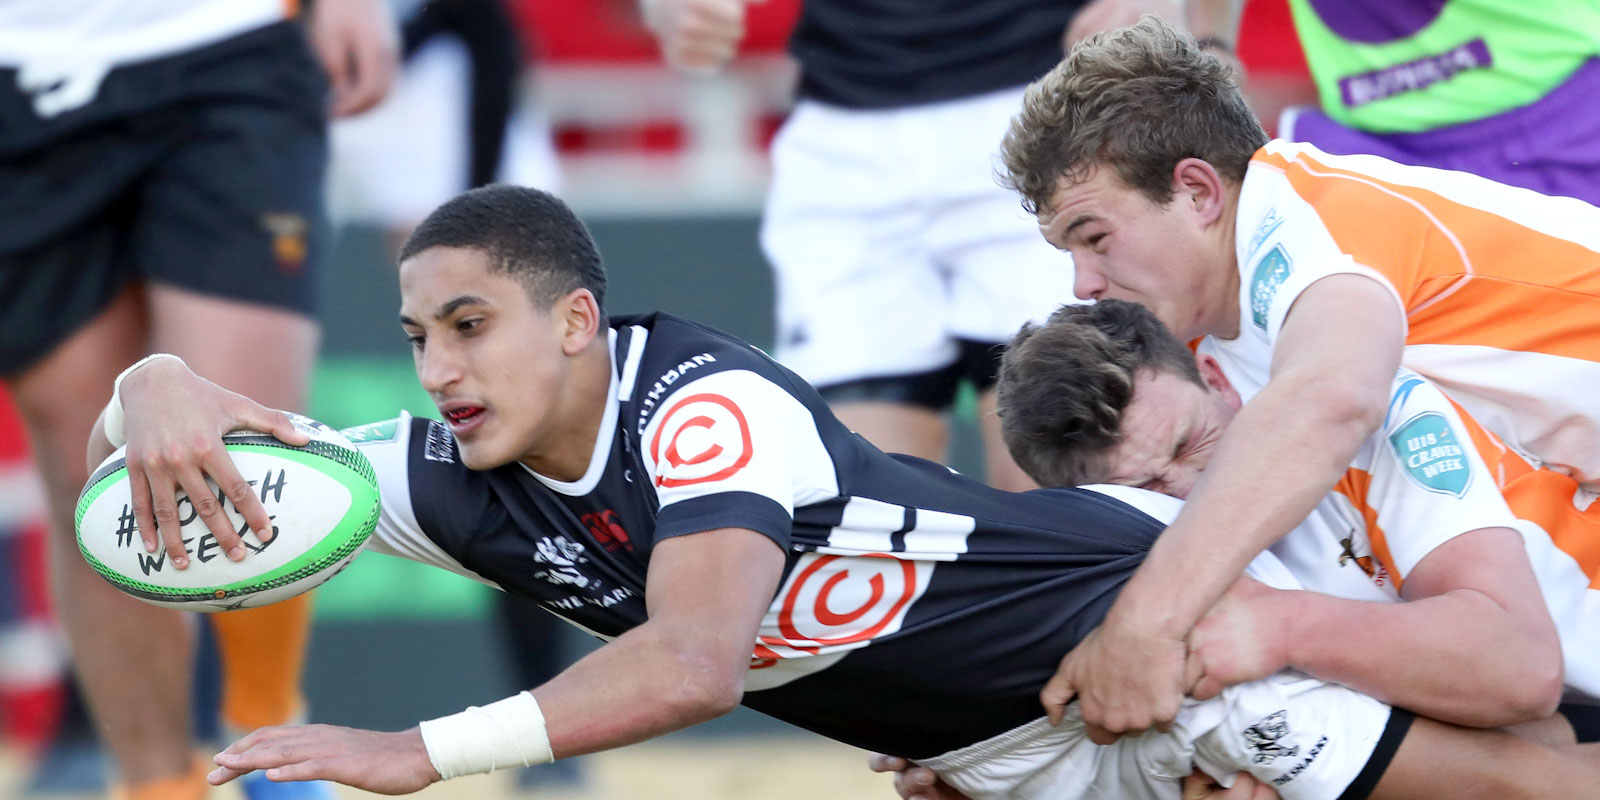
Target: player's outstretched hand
386 763
1235 642
1105 15
911 781
359 47
1200 786
1126 681
174 421
697 36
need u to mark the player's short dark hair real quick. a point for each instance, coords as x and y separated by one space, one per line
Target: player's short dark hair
1064 386
526 233
1137 100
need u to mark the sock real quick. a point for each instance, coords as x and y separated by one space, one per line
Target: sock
263 652
189 786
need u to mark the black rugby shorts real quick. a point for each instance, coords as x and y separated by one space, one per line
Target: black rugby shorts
202 170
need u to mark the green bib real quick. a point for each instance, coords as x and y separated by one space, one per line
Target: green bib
1474 59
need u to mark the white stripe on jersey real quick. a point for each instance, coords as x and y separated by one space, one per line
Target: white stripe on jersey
1163 508
865 527
630 368
939 534
868 526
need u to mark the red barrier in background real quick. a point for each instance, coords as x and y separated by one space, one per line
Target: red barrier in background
557 31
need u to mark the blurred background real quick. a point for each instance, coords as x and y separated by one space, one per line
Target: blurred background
669 171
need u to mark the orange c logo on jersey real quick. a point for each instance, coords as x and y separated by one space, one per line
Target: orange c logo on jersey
718 438
838 600
709 453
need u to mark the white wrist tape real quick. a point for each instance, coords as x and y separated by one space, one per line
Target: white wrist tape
113 415
503 734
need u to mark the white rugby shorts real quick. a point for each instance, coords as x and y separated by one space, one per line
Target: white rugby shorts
890 238
1307 739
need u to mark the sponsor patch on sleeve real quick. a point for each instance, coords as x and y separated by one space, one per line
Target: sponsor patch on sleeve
1270 273
1432 454
373 431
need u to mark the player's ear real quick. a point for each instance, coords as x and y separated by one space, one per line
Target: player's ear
581 320
1197 183
1211 374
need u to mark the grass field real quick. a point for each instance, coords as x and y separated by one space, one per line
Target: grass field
767 767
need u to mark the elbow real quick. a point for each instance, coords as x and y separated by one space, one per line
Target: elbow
1533 691
1544 676
1347 406
702 686
1545 684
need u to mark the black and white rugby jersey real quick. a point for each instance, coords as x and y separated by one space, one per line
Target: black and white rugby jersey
919 611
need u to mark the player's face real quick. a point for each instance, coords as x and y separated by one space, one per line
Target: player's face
1125 247
1169 430
494 363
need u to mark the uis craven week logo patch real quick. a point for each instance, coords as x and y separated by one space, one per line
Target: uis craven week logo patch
1271 271
1432 454
703 439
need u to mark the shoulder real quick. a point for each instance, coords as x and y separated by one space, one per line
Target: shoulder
420 475
678 354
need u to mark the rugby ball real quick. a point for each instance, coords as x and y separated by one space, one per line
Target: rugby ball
323 500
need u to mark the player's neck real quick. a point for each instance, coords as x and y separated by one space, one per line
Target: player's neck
569 443
1223 319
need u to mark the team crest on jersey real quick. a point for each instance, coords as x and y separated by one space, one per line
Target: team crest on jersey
1432 454
606 528
372 432
563 560
1355 549
1271 271
704 438
1264 736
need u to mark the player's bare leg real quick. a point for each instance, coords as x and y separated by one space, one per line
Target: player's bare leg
266 354
1439 760
132 659
897 427
1002 471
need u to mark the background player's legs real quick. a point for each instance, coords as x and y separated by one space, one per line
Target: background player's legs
897 427
1002 471
266 354
230 237
1000 271
860 307
113 636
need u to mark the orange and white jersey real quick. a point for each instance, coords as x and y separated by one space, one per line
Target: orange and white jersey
1500 286
55 34
1431 473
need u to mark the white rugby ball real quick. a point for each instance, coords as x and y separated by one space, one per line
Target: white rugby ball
323 500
